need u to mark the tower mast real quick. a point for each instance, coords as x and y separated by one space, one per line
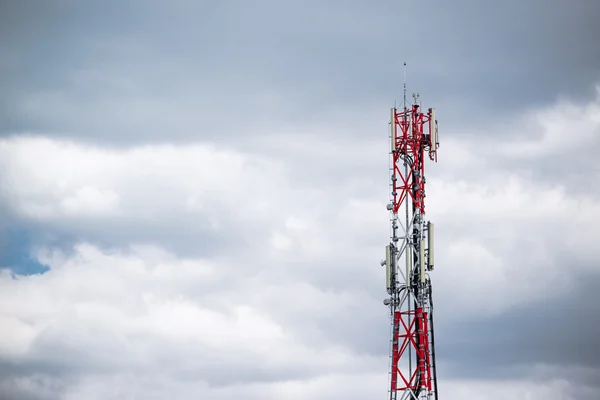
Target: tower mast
413 137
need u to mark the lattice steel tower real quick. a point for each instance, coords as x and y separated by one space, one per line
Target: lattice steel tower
413 136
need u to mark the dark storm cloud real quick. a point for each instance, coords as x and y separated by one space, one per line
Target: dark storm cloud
121 72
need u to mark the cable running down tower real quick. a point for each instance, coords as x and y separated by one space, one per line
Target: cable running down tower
413 137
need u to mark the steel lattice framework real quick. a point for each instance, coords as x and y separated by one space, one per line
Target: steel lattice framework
414 138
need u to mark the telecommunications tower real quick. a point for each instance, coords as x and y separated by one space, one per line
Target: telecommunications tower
409 255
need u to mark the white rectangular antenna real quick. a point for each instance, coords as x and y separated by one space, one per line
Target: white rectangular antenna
393 129
433 130
430 253
388 267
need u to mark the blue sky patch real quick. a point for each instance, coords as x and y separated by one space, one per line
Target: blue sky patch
15 253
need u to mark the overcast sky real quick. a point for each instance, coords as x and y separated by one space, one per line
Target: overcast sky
192 196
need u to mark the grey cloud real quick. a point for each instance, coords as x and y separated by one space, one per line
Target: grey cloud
17 384
562 332
198 69
183 236
178 234
557 338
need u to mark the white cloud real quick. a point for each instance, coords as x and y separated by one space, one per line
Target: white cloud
90 200
150 179
148 312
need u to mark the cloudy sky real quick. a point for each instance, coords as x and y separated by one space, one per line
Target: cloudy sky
192 196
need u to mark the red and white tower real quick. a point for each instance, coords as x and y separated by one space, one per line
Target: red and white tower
409 255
